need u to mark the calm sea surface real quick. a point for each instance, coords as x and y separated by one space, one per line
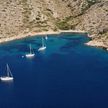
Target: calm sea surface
67 74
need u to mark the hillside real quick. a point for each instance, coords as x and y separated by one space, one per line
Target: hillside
24 16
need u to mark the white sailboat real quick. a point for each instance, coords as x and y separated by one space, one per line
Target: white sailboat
31 54
43 47
9 76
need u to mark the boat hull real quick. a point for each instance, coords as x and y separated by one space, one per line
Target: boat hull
30 55
41 48
6 78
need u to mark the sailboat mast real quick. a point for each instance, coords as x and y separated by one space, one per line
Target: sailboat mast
30 48
42 42
7 69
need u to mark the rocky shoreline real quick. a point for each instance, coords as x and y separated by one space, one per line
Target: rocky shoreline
96 43
20 36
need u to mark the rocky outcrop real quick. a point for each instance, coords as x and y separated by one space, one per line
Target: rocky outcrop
95 19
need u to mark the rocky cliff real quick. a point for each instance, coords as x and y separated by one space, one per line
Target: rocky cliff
23 16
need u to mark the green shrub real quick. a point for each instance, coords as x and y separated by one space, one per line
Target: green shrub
63 25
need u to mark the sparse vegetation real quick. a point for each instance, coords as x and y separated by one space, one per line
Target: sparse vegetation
87 4
62 24
28 15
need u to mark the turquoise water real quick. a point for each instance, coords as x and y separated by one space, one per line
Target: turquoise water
68 74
